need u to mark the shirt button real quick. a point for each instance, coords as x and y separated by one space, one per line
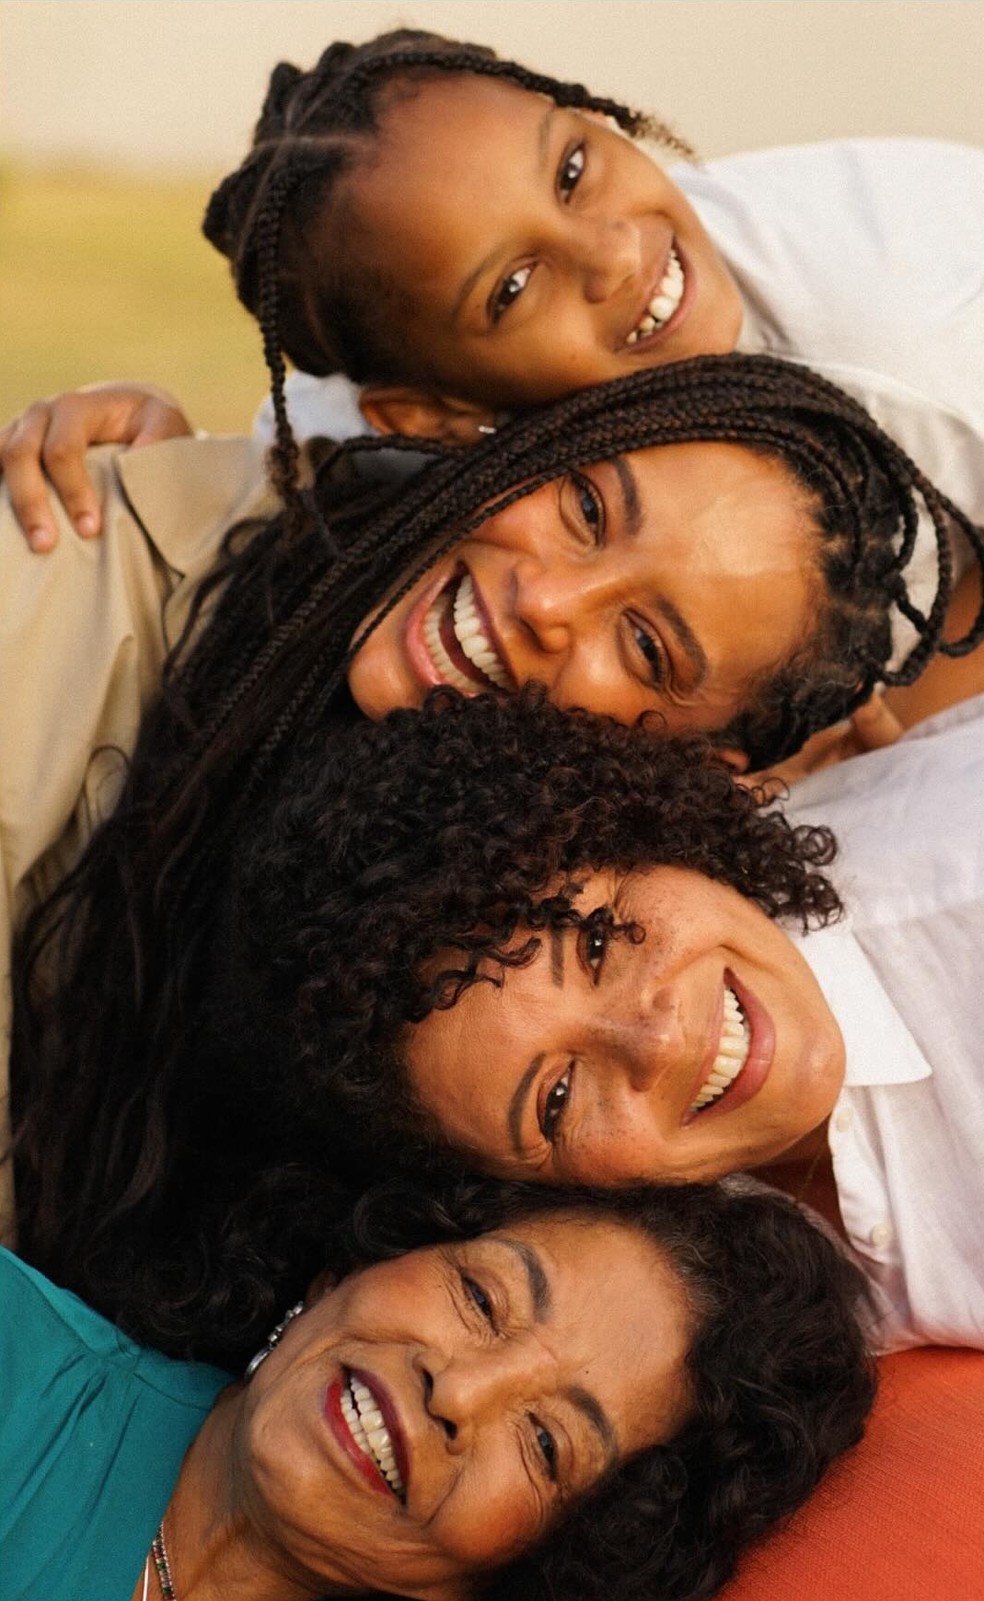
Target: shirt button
880 1234
843 1120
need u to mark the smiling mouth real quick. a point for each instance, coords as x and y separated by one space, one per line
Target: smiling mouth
665 301
732 1054
364 1421
458 642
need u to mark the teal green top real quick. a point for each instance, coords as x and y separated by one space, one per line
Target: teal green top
93 1431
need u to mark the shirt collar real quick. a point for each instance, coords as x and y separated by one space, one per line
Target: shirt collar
879 1048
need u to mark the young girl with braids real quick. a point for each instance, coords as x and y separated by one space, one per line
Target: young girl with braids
461 235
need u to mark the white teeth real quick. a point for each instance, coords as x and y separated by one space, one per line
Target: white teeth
366 1426
664 302
470 634
732 1053
449 673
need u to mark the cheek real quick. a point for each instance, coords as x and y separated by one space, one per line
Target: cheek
491 1517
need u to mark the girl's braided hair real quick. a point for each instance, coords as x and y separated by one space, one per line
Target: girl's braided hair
313 129
182 1127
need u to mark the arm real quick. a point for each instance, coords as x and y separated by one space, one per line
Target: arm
51 438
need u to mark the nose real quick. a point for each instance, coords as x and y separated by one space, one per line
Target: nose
609 255
546 603
644 1036
467 1389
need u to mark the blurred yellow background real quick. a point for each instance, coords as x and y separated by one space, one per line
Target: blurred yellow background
117 117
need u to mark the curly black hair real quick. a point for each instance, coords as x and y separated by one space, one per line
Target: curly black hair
780 1379
164 1170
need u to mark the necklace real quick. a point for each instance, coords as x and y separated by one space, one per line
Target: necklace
158 1550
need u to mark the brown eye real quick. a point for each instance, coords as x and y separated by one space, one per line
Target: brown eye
556 1105
509 291
570 172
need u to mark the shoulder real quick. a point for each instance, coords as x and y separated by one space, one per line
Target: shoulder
187 493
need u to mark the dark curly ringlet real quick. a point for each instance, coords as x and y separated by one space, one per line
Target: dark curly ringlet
172 1143
314 128
455 828
781 1381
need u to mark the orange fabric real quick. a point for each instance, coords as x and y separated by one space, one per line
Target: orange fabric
902 1517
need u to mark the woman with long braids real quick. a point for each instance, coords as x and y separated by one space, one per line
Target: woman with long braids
723 542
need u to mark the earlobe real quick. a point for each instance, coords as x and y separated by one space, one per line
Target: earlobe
732 757
423 414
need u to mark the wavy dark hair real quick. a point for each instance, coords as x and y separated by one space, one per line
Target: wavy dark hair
780 1379
170 1143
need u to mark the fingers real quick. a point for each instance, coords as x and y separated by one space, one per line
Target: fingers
22 459
43 452
874 725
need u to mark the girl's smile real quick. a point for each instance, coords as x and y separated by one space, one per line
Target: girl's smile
529 250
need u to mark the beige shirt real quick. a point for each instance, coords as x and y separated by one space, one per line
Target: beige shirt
83 636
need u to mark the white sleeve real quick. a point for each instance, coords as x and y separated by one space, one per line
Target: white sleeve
323 408
868 252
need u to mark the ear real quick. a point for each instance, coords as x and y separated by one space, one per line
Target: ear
732 757
404 409
319 1286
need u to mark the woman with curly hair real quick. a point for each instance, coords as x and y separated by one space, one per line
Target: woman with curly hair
724 542
566 1396
307 1042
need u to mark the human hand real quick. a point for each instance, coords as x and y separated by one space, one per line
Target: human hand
44 449
872 725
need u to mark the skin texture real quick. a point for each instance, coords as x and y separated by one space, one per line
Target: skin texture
531 240
612 1040
477 1374
581 595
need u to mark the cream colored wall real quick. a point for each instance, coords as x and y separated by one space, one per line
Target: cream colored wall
178 82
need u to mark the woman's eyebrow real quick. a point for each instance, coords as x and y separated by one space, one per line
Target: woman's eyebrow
631 504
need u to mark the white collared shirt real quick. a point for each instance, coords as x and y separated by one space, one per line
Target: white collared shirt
904 979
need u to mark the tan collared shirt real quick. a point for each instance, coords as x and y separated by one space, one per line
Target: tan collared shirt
84 632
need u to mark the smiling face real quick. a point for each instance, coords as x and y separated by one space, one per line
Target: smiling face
671 579
433 1415
530 250
704 1048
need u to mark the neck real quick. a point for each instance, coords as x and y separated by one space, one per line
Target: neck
216 1547
805 1173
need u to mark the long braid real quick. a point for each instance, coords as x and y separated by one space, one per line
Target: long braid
310 130
268 670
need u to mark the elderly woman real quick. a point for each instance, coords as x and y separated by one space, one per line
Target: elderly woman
598 1394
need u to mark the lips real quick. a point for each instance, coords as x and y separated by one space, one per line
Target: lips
740 1056
452 640
665 303
362 1417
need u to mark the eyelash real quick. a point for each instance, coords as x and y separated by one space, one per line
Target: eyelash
555 1105
652 651
584 489
546 1444
564 177
569 175
480 1300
